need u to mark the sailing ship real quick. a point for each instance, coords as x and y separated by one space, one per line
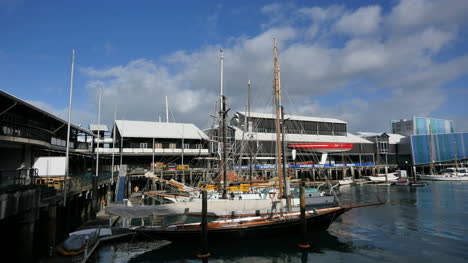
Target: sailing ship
268 215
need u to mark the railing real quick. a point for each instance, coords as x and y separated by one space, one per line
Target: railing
156 150
15 177
75 182
22 131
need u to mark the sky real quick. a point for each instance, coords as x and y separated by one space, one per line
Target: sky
364 62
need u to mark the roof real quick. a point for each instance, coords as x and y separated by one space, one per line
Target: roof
291 117
101 127
167 130
349 138
393 138
29 105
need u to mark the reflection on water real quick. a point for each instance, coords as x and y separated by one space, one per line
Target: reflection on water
415 225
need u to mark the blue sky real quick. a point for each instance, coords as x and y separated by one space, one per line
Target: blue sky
365 62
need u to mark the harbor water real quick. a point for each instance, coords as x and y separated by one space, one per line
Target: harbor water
416 224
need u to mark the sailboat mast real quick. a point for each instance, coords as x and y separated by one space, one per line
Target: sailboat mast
456 157
167 110
431 152
222 130
278 116
248 132
283 147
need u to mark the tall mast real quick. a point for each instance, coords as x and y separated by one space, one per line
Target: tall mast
113 145
248 131
278 116
222 130
431 152
68 130
455 154
167 111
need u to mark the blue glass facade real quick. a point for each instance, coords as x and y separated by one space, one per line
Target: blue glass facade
444 147
437 126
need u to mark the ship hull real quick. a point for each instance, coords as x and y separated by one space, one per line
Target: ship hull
249 230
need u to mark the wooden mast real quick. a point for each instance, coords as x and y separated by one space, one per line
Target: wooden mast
249 135
278 116
222 131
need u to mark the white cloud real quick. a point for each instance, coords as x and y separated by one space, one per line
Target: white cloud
364 21
396 66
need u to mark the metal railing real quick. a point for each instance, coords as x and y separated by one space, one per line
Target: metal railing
15 177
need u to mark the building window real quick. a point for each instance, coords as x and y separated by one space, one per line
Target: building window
186 146
143 145
383 147
158 145
172 146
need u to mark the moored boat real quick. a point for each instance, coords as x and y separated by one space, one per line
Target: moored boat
247 227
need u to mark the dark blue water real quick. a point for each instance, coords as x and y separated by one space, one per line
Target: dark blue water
416 224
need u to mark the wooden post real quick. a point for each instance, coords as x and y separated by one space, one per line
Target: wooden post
304 243
204 230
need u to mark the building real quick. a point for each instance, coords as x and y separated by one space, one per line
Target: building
430 140
316 140
140 143
386 147
33 145
422 126
28 132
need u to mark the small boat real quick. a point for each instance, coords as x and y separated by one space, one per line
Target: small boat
346 181
403 181
389 177
77 241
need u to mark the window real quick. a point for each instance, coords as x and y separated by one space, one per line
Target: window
143 145
186 146
158 145
172 146
325 128
339 129
383 147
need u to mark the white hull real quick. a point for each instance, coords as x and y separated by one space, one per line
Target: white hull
381 178
443 177
346 181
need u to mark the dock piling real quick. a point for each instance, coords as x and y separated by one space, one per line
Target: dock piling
204 230
304 243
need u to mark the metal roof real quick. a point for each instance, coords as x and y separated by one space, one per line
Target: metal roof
291 117
349 138
167 130
29 105
101 127
393 138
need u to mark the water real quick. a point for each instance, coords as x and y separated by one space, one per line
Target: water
423 224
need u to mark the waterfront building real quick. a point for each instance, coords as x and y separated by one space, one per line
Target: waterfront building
430 141
316 140
385 147
28 132
167 143
422 126
33 211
